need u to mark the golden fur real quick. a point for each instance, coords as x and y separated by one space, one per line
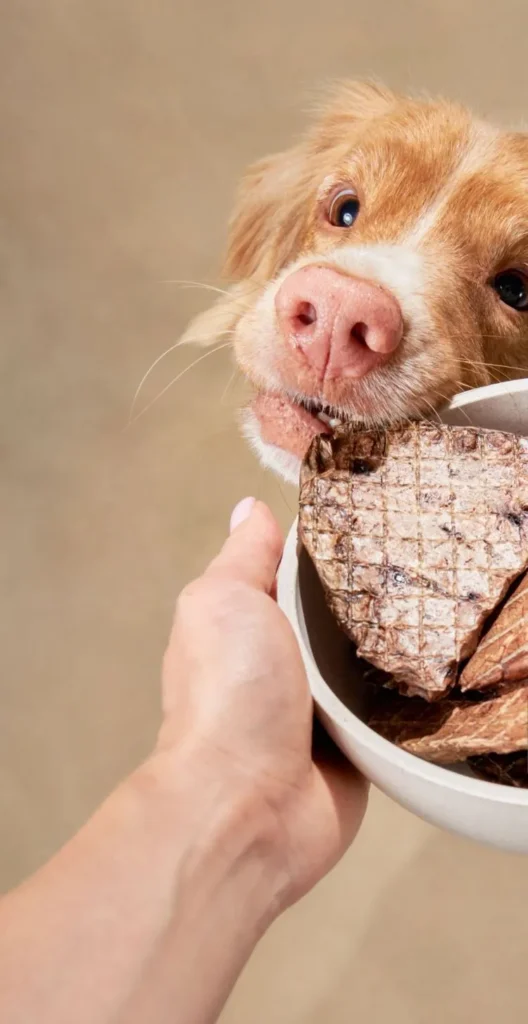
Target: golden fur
441 194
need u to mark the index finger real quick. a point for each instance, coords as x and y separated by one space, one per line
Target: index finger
253 551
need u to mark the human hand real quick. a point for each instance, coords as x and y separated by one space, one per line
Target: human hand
237 709
188 861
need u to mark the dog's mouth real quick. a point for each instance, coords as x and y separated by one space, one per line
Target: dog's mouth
291 424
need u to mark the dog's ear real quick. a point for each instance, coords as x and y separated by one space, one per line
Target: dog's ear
265 227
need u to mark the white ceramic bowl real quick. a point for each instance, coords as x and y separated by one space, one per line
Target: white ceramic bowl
448 797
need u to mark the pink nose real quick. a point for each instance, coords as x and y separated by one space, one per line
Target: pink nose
342 326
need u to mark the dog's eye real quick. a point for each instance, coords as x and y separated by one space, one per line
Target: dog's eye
344 209
512 288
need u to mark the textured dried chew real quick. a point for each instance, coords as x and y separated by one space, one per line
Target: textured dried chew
509 769
501 657
453 730
417 533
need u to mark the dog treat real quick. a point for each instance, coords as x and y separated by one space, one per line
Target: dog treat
502 655
454 729
417 533
509 769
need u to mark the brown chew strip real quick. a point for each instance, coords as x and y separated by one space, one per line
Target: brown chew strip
509 769
454 730
502 656
416 533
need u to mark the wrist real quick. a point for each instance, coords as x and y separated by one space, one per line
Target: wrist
210 855
224 837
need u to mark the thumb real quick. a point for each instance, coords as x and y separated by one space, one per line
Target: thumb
253 551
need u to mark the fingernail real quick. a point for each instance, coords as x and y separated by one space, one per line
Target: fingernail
241 512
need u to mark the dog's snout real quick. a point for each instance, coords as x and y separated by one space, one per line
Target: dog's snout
342 326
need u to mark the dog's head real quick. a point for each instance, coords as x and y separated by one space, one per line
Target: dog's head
379 266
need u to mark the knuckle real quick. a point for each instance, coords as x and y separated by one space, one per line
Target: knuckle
191 602
190 592
205 594
212 601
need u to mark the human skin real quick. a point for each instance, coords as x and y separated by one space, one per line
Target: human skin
149 913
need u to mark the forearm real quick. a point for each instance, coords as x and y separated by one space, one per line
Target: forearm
137 918
228 893
148 915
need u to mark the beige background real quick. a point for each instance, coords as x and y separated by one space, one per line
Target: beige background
124 126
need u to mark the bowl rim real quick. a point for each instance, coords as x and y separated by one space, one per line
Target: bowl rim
289 599
504 387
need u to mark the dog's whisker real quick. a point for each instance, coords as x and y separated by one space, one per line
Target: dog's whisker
494 366
462 410
284 498
207 287
475 334
232 378
205 355
440 394
432 408
146 375
197 284
496 378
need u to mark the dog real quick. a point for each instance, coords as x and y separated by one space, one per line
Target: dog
377 268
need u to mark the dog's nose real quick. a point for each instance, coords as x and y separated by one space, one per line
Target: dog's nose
342 326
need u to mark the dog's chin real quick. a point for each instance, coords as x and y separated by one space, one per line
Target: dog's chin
281 461
280 431
280 426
